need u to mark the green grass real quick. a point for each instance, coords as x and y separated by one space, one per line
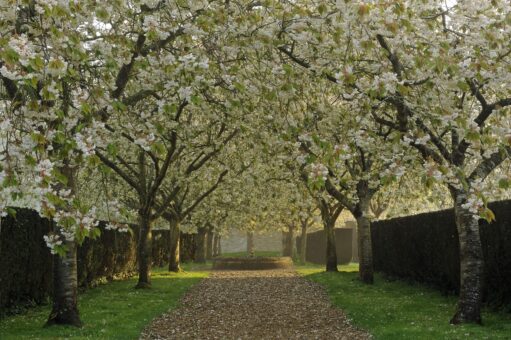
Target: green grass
257 253
397 310
111 311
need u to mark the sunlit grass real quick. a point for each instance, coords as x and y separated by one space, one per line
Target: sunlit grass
112 311
397 310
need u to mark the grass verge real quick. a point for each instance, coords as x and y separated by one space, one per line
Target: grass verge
398 310
111 311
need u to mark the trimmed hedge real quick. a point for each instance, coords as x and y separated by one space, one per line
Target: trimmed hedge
316 246
425 248
26 262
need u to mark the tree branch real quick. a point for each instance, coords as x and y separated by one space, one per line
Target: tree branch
205 194
119 171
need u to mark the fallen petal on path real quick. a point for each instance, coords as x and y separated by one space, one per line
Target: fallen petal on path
263 304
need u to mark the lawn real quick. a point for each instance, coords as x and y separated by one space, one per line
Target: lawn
111 311
397 310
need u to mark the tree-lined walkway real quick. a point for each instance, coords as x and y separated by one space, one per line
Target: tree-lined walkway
270 304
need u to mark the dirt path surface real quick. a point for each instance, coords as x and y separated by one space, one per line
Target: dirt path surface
266 304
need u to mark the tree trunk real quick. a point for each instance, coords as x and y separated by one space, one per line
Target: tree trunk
250 243
174 247
144 251
200 250
354 242
471 263
219 245
303 243
287 249
216 241
365 250
65 275
291 244
209 244
331 250
65 289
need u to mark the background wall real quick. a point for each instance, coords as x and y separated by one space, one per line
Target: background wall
236 241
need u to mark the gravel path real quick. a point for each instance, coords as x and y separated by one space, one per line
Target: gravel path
265 304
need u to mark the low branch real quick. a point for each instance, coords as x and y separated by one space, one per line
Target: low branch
489 164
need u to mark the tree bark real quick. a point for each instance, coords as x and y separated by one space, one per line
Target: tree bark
354 241
174 247
144 249
219 245
209 244
365 251
331 249
303 242
65 289
471 263
365 248
287 248
65 275
200 250
216 241
250 243
291 244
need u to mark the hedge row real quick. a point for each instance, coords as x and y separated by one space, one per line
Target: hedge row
425 248
315 251
26 262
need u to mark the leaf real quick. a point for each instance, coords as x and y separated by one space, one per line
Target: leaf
60 176
504 183
60 249
463 86
488 215
11 211
112 149
95 233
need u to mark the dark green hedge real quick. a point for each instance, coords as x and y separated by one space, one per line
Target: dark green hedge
425 248
316 246
26 262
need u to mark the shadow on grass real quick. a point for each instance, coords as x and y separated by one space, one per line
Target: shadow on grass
111 311
397 310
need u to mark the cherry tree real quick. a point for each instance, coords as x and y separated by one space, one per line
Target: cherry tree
430 73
